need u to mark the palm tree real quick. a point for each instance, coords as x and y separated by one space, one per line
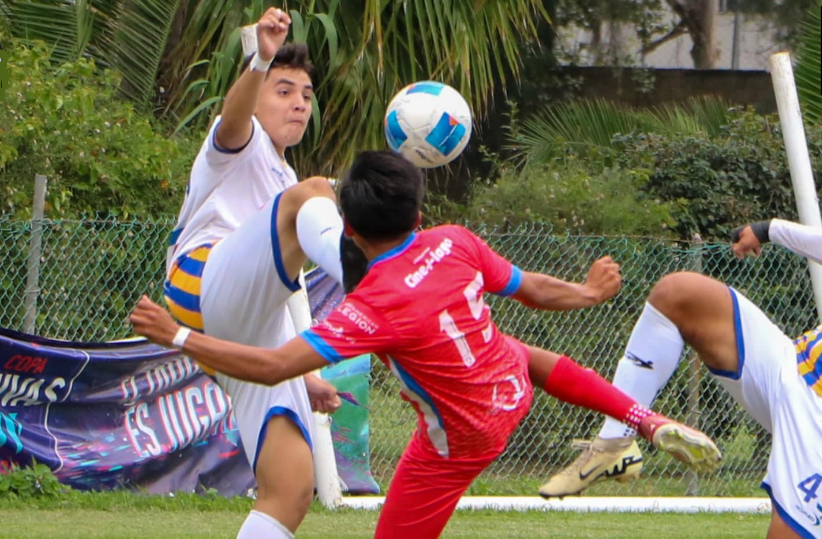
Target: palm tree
180 56
808 66
596 124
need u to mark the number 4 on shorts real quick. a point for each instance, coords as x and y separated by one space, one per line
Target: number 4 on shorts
810 485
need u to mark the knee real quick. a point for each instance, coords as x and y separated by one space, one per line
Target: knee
285 502
673 292
294 197
317 186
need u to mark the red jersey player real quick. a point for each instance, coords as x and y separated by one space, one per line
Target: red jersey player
420 309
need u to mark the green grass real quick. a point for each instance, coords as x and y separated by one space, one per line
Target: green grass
123 515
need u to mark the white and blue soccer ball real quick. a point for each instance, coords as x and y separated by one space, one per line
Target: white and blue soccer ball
429 123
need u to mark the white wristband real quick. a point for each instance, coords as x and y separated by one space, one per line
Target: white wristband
180 338
257 64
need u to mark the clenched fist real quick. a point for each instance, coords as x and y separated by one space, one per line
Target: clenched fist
605 278
272 28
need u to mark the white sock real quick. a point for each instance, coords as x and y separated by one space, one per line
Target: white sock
258 525
319 227
650 360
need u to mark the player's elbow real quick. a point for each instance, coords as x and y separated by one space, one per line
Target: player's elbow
271 375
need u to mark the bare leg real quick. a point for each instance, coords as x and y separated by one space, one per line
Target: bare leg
702 309
779 530
285 474
683 307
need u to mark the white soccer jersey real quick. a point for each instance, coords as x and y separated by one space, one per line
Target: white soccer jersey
769 386
237 288
226 187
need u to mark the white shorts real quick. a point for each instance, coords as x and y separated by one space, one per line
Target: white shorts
243 297
769 387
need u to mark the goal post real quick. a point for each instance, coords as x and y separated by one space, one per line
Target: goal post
799 161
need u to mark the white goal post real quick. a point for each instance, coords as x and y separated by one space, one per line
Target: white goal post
799 161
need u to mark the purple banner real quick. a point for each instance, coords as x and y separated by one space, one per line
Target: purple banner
117 414
134 414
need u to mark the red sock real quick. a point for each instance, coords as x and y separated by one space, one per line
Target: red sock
583 387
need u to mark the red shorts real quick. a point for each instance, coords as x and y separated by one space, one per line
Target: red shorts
426 487
425 490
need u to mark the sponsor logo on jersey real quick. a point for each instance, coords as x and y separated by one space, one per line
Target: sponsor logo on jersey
428 262
358 318
813 519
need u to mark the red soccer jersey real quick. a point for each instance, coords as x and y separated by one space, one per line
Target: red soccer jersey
420 310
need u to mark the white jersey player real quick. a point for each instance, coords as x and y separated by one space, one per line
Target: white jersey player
778 380
244 231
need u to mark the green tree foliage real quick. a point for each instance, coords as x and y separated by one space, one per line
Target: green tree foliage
658 21
569 195
4 71
809 65
585 126
708 166
727 180
101 156
181 56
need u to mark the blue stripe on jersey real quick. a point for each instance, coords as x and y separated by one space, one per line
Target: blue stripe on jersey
740 343
225 150
513 283
191 266
809 358
813 377
275 247
175 235
290 414
396 251
185 300
321 347
417 390
790 521
807 346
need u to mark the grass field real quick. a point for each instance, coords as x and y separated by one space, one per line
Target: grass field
123 515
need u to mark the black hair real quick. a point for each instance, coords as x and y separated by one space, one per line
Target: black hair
290 55
381 195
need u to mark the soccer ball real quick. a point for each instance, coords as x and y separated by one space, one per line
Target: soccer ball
429 123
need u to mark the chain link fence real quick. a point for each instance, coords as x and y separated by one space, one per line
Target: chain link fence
92 272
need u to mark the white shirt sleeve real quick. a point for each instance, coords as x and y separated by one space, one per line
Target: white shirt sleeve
801 239
218 157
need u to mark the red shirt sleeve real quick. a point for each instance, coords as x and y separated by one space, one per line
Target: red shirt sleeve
500 276
352 329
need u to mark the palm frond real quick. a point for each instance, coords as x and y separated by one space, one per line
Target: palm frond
363 52
137 42
807 73
580 125
65 25
700 115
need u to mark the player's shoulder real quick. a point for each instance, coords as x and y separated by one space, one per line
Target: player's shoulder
449 230
455 236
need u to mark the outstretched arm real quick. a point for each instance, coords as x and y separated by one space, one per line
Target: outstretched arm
801 239
240 103
263 366
552 294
